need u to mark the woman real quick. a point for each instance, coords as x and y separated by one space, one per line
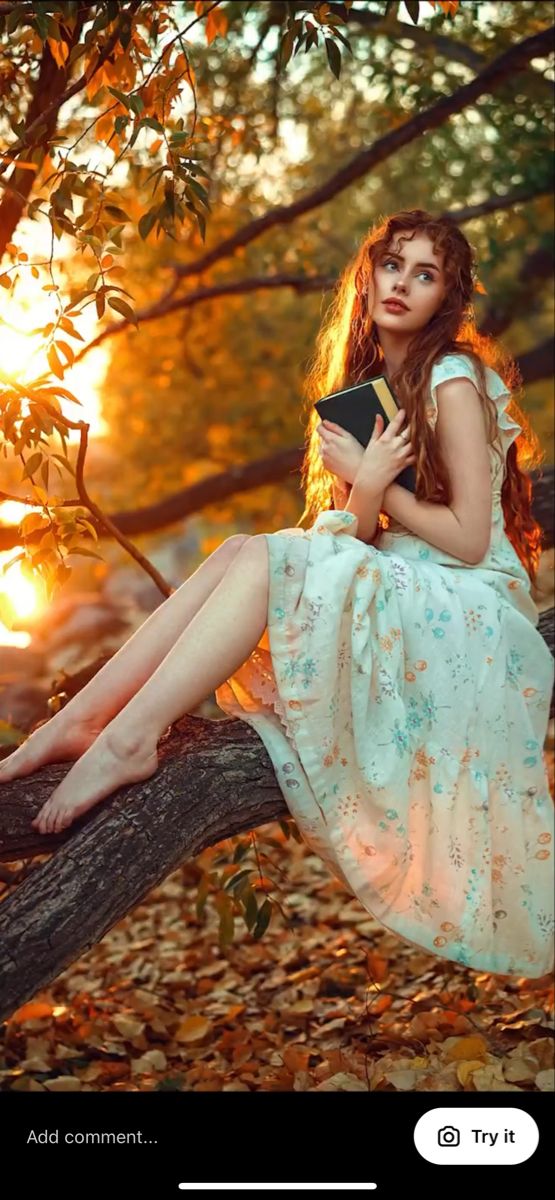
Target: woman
388 657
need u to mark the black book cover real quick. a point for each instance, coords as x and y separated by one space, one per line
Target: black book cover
355 409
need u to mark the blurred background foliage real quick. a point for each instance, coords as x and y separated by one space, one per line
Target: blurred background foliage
219 384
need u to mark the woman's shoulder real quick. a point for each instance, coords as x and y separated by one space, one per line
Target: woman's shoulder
457 364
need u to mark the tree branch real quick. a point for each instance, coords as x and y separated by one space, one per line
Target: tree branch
436 43
515 59
215 780
43 110
538 363
220 486
137 836
56 104
537 265
168 303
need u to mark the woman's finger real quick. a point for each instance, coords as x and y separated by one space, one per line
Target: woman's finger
377 427
394 426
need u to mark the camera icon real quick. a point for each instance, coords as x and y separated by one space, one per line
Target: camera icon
448 1136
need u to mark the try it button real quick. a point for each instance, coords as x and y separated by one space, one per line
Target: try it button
484 1136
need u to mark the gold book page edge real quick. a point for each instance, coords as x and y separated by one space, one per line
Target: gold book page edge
385 398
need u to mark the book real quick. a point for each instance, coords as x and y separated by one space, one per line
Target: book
355 409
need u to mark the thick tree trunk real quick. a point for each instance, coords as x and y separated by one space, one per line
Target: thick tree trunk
214 780
49 88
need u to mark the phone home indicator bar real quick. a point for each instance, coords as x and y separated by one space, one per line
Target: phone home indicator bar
277 1187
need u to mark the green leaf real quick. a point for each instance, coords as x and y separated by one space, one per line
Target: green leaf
151 123
413 9
146 222
263 919
41 25
120 123
235 879
136 105
342 38
123 99
240 851
199 191
251 909
116 213
14 18
334 57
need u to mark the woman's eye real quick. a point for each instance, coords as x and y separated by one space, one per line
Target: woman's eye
391 263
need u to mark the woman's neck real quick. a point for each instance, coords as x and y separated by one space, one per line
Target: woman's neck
394 351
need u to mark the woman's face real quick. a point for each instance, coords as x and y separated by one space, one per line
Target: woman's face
412 272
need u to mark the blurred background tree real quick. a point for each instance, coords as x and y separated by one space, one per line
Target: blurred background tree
307 122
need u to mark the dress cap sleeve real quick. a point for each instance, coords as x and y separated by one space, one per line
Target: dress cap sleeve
457 366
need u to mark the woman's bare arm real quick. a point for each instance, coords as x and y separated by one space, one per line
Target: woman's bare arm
462 528
341 493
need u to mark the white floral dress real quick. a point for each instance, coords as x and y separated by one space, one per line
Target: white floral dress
403 698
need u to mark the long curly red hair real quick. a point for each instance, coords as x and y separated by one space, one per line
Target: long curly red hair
348 351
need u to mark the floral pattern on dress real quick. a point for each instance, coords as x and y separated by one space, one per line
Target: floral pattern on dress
403 698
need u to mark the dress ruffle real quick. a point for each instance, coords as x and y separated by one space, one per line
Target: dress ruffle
455 366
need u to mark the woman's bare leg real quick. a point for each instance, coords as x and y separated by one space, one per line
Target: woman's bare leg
73 729
214 645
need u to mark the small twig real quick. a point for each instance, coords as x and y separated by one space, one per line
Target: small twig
165 588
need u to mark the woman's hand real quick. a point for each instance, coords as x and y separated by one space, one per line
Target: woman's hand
387 453
340 452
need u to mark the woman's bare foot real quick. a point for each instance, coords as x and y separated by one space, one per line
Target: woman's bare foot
112 762
51 742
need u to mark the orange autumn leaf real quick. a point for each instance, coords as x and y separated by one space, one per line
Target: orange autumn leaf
59 51
465 1070
380 1004
192 1029
296 1058
378 966
467 1048
32 1011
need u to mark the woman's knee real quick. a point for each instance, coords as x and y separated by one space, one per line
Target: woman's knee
254 555
232 545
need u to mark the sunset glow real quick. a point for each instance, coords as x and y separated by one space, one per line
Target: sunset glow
24 310
21 596
28 307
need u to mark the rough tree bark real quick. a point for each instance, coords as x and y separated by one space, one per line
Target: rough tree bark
215 780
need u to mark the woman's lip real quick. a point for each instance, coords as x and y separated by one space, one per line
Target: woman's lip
394 304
